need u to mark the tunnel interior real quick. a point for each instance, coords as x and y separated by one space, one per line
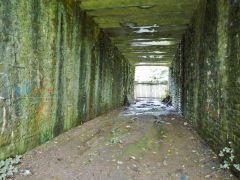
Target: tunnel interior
65 62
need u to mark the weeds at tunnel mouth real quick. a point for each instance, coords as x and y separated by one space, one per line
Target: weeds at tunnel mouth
227 153
7 167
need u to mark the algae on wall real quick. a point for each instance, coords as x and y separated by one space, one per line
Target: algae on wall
205 73
57 70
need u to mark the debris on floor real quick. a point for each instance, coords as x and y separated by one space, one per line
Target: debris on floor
129 144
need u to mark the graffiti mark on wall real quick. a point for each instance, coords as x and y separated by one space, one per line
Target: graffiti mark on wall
41 110
38 91
4 115
26 89
23 91
4 120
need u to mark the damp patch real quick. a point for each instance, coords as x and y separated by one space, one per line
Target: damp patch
153 43
152 56
149 107
150 52
141 30
146 7
145 29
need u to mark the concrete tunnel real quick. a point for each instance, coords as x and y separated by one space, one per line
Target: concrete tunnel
65 62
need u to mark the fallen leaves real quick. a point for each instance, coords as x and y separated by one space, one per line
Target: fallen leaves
26 172
165 163
132 158
207 176
120 162
190 153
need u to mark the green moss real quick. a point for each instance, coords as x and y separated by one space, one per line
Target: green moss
59 70
207 81
92 4
138 147
145 142
45 135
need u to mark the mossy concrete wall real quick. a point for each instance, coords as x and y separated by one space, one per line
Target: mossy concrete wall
57 70
205 73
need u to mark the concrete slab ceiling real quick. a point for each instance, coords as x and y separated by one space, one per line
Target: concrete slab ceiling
145 31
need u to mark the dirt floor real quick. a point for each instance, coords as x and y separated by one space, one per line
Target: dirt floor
120 147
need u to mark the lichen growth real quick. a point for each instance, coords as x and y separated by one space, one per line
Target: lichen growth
59 70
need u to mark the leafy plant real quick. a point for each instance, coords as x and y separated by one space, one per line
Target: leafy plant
166 93
228 154
92 154
116 138
7 168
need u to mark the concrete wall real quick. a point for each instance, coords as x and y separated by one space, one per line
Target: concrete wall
57 70
205 73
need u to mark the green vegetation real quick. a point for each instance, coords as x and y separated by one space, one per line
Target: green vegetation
205 75
7 168
65 71
227 153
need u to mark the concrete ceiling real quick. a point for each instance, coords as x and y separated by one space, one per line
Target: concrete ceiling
145 31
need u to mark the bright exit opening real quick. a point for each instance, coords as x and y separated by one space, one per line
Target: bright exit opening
151 82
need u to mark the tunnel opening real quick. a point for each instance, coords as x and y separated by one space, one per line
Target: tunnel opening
151 82
151 93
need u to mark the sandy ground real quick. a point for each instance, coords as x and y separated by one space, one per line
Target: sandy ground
121 148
